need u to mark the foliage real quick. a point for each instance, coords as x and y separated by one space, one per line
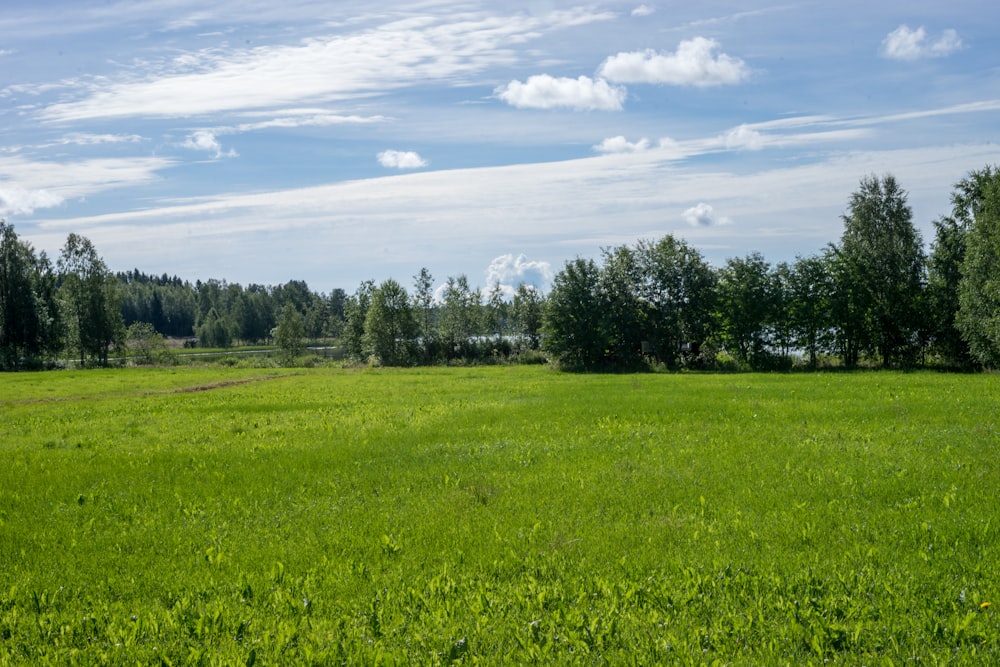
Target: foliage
289 333
979 290
460 320
944 266
573 325
526 315
90 301
943 279
423 311
746 307
654 301
356 311
167 303
390 327
498 515
679 290
496 318
810 294
29 316
215 330
883 260
145 345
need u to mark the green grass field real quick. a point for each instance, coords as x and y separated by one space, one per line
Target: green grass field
500 515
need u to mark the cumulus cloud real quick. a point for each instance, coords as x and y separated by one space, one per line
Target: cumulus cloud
547 92
693 64
19 201
906 44
205 140
745 138
401 160
620 144
703 215
511 272
643 10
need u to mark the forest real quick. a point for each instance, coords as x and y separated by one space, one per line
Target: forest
875 298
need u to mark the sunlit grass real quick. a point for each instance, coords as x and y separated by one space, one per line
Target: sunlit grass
497 515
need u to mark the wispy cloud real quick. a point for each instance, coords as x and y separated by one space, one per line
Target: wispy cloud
547 92
292 118
340 67
695 63
422 219
29 185
643 10
401 159
904 43
86 139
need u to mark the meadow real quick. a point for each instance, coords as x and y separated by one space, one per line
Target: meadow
498 515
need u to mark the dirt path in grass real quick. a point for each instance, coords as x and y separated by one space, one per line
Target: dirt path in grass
221 384
157 392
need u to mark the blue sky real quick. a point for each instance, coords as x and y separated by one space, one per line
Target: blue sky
334 142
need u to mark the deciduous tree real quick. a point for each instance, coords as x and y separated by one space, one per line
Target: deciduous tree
91 300
526 312
390 327
746 306
679 290
28 310
884 262
979 292
289 333
944 265
810 290
573 325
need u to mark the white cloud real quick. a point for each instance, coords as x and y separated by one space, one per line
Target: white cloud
28 185
693 64
348 66
703 215
293 118
19 201
620 144
547 92
205 140
510 272
906 44
643 10
401 160
85 139
744 137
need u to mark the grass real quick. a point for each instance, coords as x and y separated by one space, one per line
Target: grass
497 515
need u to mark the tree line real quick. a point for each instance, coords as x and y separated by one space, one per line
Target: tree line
77 308
875 297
